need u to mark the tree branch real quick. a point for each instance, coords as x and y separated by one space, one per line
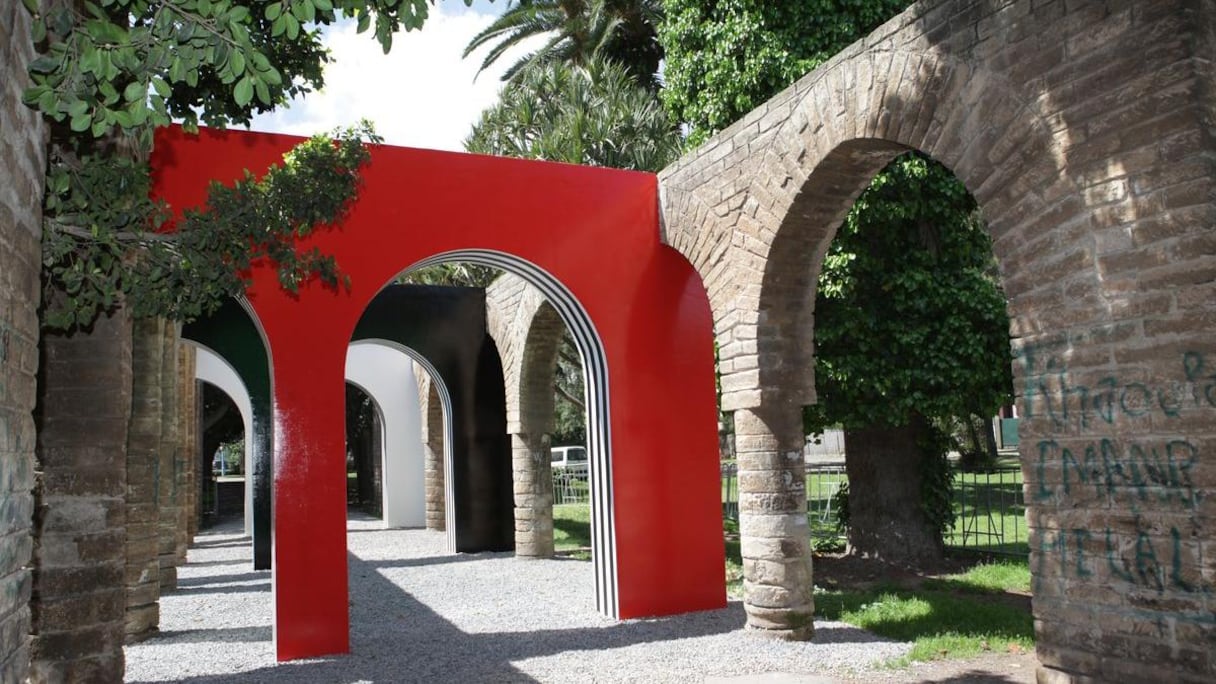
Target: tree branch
568 397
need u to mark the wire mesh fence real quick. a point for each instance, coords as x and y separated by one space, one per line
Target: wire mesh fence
989 510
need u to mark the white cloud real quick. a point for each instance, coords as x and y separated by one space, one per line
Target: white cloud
421 94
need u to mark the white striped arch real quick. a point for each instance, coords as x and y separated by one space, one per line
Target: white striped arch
445 401
595 374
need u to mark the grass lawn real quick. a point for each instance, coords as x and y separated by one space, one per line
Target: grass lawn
954 616
572 529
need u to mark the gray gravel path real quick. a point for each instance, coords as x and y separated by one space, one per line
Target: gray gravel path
420 615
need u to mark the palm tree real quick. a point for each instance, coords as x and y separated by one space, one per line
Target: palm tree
579 31
583 114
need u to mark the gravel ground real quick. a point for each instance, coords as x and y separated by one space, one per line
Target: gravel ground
420 615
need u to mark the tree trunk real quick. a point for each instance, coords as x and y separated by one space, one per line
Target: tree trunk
990 441
886 519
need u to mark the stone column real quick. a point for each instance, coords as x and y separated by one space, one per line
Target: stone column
168 503
187 454
79 595
143 454
194 442
22 166
532 475
775 537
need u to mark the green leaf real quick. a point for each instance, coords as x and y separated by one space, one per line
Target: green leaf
47 101
135 92
80 122
263 92
161 87
243 92
44 64
273 11
236 62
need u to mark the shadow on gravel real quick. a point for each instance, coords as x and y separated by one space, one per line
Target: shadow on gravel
396 638
211 580
974 677
227 634
431 560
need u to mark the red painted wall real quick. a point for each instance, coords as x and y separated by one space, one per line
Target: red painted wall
595 231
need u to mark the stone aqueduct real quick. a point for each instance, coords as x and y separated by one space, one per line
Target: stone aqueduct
1084 130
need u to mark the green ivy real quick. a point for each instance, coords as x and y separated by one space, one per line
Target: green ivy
726 57
909 317
936 479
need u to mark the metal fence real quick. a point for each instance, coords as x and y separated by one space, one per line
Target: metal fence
989 511
570 484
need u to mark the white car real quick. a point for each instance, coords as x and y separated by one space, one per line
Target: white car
569 458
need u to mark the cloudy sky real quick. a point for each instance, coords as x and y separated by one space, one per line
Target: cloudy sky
422 94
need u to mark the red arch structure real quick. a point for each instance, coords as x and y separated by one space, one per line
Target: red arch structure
593 233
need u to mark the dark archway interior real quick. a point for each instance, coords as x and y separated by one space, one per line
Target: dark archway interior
364 451
221 424
447 326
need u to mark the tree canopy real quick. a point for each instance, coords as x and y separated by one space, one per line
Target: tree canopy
726 57
578 31
582 114
909 316
109 72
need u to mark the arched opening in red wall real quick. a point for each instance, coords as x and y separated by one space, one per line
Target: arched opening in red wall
644 325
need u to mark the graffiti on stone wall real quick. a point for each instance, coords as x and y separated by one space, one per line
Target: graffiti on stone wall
1108 399
1132 478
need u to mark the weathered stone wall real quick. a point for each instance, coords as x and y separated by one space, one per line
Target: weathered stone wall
143 481
21 174
168 505
528 332
80 551
189 448
1084 131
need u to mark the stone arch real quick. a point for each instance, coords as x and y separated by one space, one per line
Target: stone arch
528 331
1087 157
798 174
